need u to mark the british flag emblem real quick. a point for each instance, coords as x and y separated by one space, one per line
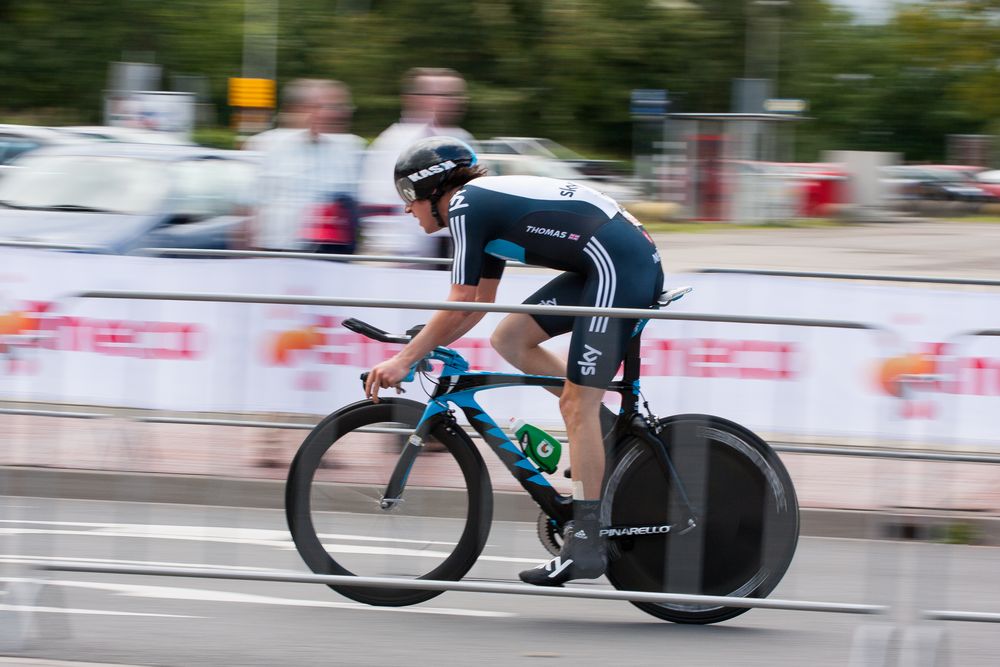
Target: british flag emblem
574 237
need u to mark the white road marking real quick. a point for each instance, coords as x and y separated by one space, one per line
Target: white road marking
86 612
263 536
21 559
42 662
278 539
187 529
209 595
154 532
366 538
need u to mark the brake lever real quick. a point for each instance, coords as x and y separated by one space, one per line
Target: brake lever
399 387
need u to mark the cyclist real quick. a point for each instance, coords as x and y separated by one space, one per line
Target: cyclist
608 260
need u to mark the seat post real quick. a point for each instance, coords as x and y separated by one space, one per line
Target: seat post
633 361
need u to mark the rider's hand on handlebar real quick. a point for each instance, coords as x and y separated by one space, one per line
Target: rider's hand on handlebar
386 374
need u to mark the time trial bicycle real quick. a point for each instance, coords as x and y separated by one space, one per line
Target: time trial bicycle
692 503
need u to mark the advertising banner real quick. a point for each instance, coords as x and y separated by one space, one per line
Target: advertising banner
904 363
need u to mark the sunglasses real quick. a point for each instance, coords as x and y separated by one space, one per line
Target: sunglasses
406 192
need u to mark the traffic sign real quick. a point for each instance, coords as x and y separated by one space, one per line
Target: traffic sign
785 105
251 93
649 102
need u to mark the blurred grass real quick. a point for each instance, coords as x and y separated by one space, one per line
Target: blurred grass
989 219
960 533
708 227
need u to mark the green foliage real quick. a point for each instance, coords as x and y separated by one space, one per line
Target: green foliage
557 68
932 71
56 54
215 137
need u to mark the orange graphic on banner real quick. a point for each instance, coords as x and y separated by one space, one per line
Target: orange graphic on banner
894 373
295 340
17 322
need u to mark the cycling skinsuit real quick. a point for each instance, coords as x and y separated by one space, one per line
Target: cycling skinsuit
608 259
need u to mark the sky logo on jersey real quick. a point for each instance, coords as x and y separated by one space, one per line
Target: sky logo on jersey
589 364
431 170
568 190
545 231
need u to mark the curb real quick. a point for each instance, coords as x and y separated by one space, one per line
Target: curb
933 525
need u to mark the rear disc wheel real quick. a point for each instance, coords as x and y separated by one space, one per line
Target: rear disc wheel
746 518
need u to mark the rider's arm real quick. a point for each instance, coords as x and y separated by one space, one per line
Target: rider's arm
444 327
447 326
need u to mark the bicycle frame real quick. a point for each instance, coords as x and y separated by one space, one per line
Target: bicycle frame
457 385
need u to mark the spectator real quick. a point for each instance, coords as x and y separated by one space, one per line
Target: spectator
451 97
433 102
286 122
308 184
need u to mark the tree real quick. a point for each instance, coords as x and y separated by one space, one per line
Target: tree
557 68
57 54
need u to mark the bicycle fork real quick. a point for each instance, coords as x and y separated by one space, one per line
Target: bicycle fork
393 495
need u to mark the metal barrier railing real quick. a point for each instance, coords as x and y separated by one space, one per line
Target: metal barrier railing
974 616
467 586
38 245
468 306
865 452
983 282
212 252
284 254
245 254
53 413
209 252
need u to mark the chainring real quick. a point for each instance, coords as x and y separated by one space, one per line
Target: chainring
549 534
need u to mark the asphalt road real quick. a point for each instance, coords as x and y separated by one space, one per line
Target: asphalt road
942 249
143 620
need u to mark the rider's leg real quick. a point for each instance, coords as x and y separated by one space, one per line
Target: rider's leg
579 406
518 339
583 555
626 274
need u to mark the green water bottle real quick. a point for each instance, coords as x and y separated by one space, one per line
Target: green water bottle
538 445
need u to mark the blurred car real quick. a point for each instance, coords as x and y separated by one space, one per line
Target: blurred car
527 165
979 176
115 198
936 183
548 149
129 135
15 140
786 189
822 186
989 181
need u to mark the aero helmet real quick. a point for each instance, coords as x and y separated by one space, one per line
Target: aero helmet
423 167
